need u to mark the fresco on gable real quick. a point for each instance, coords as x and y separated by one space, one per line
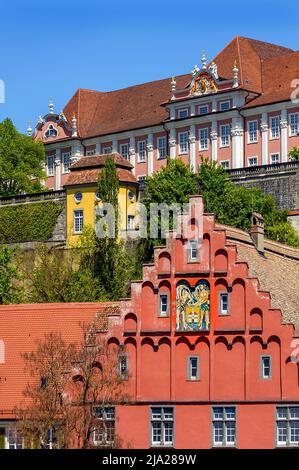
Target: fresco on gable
193 306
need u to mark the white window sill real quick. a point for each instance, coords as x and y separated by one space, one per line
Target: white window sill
253 142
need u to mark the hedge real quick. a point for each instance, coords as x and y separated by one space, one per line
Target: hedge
28 222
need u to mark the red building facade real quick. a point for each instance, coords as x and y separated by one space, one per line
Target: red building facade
210 362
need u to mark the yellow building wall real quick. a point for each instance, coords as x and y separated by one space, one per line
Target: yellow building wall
88 204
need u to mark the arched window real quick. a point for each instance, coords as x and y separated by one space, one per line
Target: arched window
51 131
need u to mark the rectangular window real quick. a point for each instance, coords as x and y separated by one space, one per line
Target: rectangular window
90 152
78 221
252 161
123 366
141 151
287 425
14 439
193 368
266 367
294 124
162 421
203 139
274 158
224 426
224 105
131 222
50 165
104 431
124 150
163 305
183 142
107 150
252 132
204 109
193 250
274 127
66 158
225 164
161 147
223 303
183 113
224 135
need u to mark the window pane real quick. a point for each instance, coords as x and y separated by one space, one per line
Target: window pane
168 432
218 433
218 413
281 432
230 412
168 413
282 412
156 432
294 412
294 432
230 432
156 413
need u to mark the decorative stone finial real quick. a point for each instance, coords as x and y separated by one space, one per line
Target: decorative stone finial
213 70
204 60
51 106
173 87
62 116
40 120
29 131
236 75
195 70
74 126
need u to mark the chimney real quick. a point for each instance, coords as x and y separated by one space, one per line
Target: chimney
257 231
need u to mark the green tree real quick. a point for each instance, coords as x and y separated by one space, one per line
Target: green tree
21 161
233 204
294 154
174 183
112 265
9 274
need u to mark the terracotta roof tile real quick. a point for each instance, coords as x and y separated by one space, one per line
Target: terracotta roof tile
99 160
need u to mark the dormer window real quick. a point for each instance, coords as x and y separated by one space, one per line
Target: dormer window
183 113
51 131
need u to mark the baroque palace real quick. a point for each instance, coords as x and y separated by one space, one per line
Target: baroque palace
240 109
209 342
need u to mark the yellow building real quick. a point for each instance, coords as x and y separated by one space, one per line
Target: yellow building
83 198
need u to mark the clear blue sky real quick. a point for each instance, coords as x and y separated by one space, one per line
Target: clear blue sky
51 48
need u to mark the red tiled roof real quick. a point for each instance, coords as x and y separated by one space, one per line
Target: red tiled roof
101 113
87 170
20 328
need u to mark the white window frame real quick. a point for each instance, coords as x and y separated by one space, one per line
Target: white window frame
286 420
141 146
124 154
222 311
193 251
131 224
206 106
225 421
253 132
224 135
264 367
182 111
226 167
190 368
161 147
91 152
66 157
80 219
271 155
293 133
108 417
166 421
123 366
184 150
106 150
274 129
49 131
50 173
163 306
227 105
251 158
204 139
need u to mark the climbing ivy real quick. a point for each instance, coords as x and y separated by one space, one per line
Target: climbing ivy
28 222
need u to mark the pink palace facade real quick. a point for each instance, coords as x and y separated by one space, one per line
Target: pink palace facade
240 110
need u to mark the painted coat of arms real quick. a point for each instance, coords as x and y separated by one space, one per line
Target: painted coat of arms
193 307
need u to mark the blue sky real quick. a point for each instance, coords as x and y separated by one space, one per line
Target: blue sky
52 48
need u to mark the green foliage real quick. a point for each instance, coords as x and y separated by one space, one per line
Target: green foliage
28 222
21 162
59 276
294 154
112 266
8 275
233 205
174 183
